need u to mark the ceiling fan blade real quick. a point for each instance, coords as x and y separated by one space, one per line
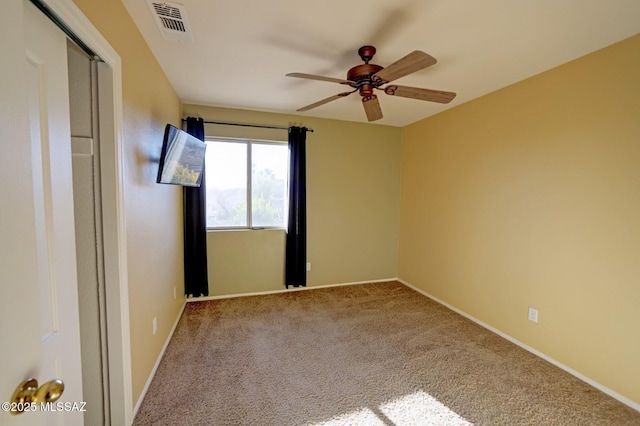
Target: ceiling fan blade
414 61
421 94
321 78
372 107
324 101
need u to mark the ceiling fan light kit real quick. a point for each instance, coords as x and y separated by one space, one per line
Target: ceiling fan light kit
367 77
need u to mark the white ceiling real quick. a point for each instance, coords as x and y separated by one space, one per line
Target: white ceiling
242 49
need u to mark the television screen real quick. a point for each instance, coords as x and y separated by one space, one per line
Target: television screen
182 158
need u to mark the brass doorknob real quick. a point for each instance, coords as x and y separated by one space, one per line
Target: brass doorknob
28 393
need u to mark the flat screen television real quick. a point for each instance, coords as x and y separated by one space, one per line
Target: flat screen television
182 158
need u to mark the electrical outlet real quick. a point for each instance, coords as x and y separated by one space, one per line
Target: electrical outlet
533 314
308 266
155 325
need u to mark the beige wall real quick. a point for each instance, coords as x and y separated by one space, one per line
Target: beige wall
353 198
530 196
153 212
247 261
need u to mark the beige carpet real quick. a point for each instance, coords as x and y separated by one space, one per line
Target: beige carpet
371 354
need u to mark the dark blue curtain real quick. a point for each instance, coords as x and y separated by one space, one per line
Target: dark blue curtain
195 228
296 245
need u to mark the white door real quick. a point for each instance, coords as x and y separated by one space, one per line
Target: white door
38 289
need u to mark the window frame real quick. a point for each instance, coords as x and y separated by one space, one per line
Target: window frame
249 142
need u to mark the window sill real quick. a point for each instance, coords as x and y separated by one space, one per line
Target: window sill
244 229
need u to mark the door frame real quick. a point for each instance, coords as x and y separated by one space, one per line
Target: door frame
113 213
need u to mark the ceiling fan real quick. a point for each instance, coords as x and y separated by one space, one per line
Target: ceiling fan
366 77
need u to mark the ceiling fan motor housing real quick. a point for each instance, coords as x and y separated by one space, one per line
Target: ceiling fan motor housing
361 75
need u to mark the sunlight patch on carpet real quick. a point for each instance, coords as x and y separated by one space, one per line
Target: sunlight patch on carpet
363 417
420 408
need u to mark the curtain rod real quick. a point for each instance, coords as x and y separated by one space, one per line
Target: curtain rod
224 123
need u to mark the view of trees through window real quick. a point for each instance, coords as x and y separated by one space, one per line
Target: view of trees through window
246 184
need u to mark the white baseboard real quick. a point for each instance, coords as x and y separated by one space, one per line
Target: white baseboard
259 293
558 364
155 367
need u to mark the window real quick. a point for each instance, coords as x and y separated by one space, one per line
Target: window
246 184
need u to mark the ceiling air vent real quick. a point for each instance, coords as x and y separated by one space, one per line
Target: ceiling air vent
171 19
